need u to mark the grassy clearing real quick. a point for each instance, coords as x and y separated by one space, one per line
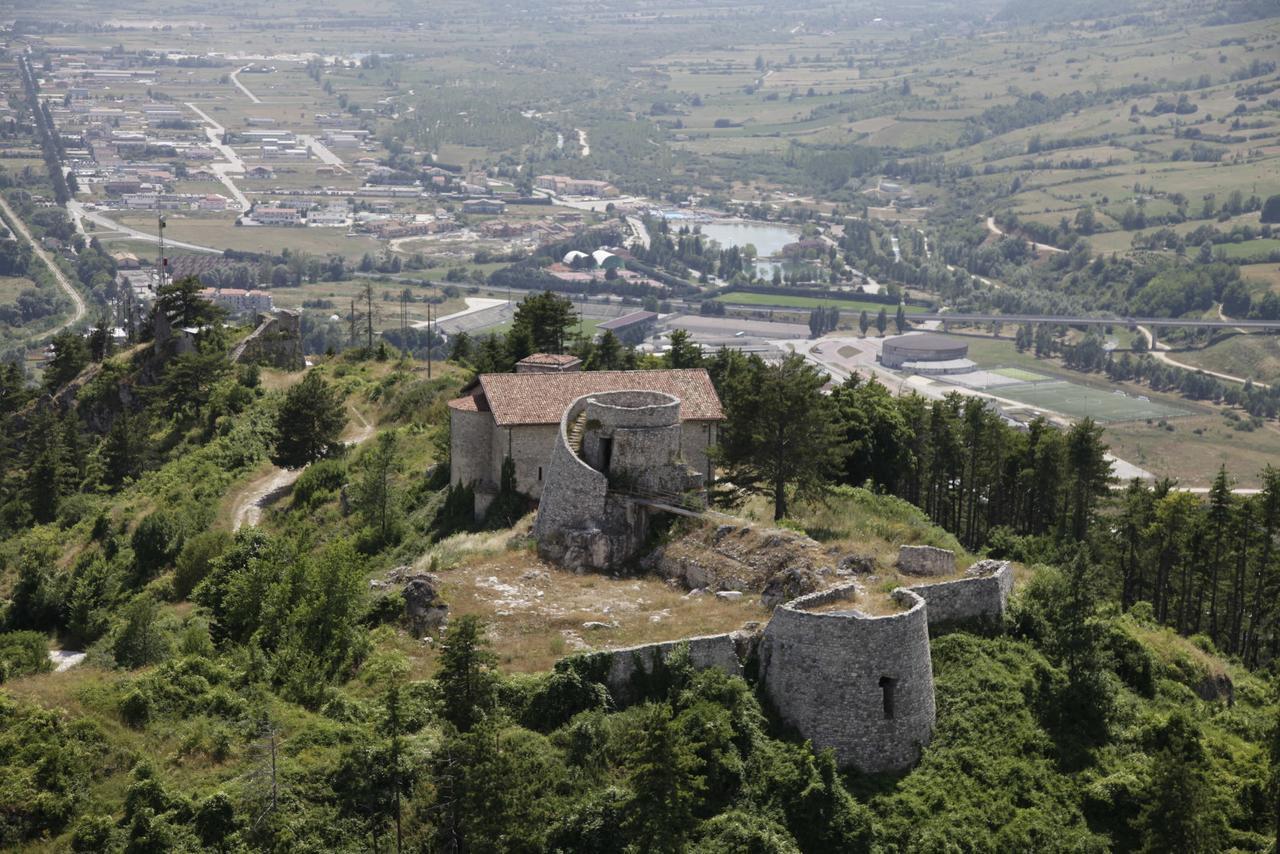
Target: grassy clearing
1254 355
1192 449
1266 275
536 611
12 286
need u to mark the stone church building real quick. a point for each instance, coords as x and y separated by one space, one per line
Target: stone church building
518 415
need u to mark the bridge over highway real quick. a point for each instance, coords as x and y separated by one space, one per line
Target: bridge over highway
1070 320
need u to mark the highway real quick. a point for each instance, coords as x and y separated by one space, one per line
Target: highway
1069 320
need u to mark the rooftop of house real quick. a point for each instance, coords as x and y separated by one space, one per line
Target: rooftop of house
542 398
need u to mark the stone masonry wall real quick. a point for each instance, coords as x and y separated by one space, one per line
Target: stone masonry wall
980 598
696 438
469 436
860 685
628 666
926 560
531 447
574 490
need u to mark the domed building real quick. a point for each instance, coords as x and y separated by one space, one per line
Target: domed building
926 353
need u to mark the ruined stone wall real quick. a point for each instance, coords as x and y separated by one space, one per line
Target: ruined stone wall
629 667
926 560
827 674
980 598
573 492
277 342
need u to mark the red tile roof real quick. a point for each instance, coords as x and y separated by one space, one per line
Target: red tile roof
533 398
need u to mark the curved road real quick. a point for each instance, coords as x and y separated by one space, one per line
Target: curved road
995 229
1158 351
77 301
78 211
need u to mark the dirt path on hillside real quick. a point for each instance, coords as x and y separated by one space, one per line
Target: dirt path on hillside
274 484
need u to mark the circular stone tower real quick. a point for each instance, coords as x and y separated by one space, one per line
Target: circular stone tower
861 685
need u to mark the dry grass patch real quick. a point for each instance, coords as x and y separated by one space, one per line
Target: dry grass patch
537 613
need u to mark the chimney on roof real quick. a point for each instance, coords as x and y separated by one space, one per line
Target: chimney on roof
548 363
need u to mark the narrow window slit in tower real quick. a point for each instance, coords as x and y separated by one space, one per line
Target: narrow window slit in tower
887 686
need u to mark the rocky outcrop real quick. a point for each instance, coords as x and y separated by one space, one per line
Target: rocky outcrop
423 609
777 563
926 561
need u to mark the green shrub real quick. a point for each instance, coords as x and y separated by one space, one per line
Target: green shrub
195 559
319 482
135 708
22 653
557 697
140 639
157 541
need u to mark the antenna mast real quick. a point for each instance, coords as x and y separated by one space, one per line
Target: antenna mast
164 262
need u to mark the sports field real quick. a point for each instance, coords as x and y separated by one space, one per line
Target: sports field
1020 375
1078 401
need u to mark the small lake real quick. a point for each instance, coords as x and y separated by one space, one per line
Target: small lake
768 239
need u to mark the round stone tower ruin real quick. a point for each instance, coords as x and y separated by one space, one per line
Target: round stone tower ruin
861 685
616 458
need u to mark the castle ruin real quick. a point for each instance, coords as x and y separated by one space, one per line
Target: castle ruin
845 678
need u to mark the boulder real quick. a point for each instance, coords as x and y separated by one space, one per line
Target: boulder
789 584
422 606
856 565
926 561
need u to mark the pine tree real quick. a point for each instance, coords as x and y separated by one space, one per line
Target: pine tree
1180 813
309 422
468 683
375 493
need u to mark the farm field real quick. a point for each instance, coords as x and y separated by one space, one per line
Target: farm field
220 233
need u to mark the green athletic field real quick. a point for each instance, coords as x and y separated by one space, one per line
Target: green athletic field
1079 401
1020 375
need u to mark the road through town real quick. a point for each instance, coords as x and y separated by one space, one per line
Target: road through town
77 301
